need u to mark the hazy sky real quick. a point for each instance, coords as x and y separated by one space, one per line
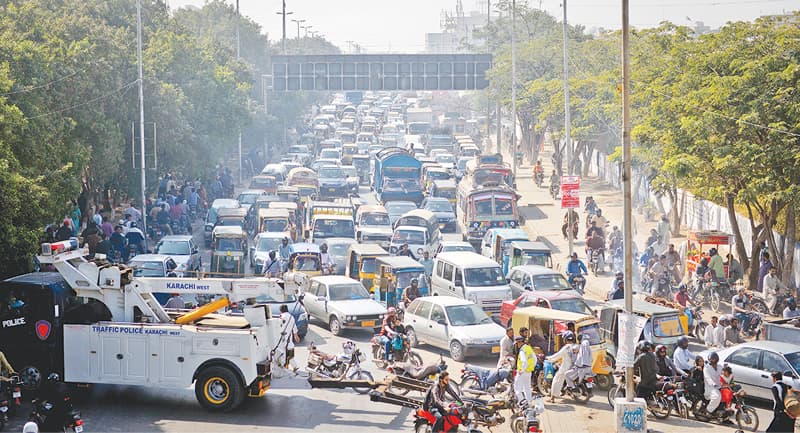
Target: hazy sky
400 25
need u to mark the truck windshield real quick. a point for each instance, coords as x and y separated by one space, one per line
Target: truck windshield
375 219
484 277
409 236
503 206
334 229
274 225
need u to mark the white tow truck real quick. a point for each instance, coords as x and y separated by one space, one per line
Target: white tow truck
226 357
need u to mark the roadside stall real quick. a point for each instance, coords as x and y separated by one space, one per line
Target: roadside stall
699 242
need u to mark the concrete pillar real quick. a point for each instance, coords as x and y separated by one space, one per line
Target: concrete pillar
630 416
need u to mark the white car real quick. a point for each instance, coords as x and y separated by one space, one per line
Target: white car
454 324
536 278
342 303
262 244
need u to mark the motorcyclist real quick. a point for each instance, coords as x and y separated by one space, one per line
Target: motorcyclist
576 267
711 378
555 180
645 363
437 401
658 269
136 238
567 357
272 267
119 243
590 206
283 252
666 368
674 262
740 306
387 331
55 392
582 367
791 311
593 228
411 292
619 291
326 261
163 220
538 172
773 288
653 239
6 370
595 242
599 220
615 239
682 356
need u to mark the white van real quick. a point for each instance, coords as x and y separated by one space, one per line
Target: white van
470 276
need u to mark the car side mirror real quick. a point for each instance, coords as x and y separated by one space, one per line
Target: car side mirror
508 280
789 373
195 250
442 322
300 297
322 298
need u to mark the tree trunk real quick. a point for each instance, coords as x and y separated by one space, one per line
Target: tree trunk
741 251
790 237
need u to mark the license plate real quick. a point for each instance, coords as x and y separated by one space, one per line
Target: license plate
331 189
78 428
495 349
589 385
368 323
16 394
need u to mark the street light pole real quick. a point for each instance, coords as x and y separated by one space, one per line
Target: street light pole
513 87
141 112
488 100
298 22
305 28
627 215
283 13
567 124
238 55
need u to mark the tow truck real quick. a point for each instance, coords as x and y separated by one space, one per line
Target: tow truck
140 343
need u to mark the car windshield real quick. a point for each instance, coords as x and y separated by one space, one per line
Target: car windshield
458 248
248 198
794 360
409 236
147 269
345 292
445 159
173 248
574 305
375 219
274 225
462 163
334 228
439 206
268 244
482 277
593 331
331 172
339 249
399 208
297 149
550 282
465 315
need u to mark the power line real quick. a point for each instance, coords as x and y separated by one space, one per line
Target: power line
61 110
41 86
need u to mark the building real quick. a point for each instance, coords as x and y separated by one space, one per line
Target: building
458 33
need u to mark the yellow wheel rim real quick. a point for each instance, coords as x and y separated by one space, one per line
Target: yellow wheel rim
216 390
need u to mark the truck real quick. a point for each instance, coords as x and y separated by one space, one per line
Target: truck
95 323
396 176
419 121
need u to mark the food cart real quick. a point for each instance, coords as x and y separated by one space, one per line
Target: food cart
698 244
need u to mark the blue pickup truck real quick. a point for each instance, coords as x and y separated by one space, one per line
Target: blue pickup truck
396 176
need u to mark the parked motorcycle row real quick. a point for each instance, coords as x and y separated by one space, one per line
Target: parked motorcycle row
12 403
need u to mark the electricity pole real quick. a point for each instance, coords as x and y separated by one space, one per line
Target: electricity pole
283 13
567 122
627 223
488 101
237 57
141 112
513 87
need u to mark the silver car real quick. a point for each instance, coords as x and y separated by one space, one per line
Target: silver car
183 250
454 324
753 362
342 303
535 278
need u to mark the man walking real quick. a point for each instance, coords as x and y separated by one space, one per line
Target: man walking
526 363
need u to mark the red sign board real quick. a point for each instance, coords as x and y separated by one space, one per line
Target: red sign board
570 192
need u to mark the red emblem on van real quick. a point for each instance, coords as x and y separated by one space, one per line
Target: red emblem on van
43 328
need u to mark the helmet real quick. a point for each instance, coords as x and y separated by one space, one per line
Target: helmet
619 275
644 346
660 348
391 311
683 288
414 281
713 357
568 336
683 341
53 377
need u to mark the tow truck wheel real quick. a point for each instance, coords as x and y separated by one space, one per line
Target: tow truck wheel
218 389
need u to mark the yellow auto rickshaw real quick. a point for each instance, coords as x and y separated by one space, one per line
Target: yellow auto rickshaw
546 325
361 262
275 220
291 207
348 150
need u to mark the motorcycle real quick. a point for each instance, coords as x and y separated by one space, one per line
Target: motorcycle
457 415
745 415
596 261
526 419
657 402
698 328
617 264
582 391
426 373
401 354
578 283
662 285
554 191
539 179
10 398
41 410
346 364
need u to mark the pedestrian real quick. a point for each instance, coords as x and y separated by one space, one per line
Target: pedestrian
763 270
526 363
289 336
272 267
76 218
781 421
426 263
714 333
65 231
506 347
567 357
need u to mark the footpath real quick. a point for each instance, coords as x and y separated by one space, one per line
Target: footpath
596 416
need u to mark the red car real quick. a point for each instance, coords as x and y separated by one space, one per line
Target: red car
557 300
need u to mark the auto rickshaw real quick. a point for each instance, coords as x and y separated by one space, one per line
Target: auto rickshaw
232 217
294 217
348 150
445 188
275 220
306 180
305 258
361 262
392 275
661 325
289 193
361 163
546 325
229 249
264 182
528 253
698 244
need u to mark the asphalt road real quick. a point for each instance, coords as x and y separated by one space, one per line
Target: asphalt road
291 405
